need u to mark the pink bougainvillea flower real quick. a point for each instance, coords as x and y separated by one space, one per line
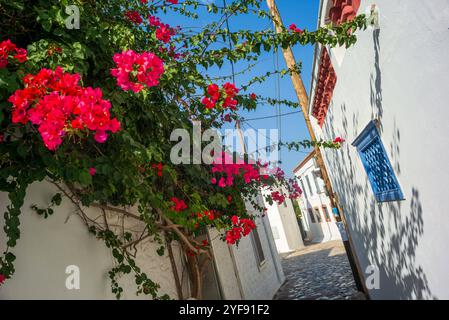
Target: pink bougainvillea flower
2 278
92 171
100 136
222 182
54 101
134 70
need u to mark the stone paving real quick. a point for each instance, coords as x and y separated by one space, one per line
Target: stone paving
318 272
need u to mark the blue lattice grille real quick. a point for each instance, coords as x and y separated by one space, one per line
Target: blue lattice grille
377 165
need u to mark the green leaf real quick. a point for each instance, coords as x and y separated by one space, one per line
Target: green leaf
84 177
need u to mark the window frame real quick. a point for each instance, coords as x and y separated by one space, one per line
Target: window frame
369 134
326 214
257 244
311 215
316 211
309 185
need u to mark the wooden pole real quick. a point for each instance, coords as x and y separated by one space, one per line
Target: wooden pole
303 99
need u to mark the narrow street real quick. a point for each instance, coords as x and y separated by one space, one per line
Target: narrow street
318 272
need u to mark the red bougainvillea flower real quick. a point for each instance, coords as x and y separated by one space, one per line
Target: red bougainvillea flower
10 50
159 167
278 197
224 97
173 1
54 49
133 16
338 140
241 227
179 205
2 278
230 89
209 214
233 235
2 137
54 101
214 92
293 28
227 118
230 103
21 55
154 21
253 96
209 104
92 171
134 70
164 33
296 191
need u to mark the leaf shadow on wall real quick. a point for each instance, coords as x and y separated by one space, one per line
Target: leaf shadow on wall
376 82
386 234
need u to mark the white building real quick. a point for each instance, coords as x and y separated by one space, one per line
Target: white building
284 226
387 96
317 216
48 247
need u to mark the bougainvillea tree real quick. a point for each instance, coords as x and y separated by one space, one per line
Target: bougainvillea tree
90 109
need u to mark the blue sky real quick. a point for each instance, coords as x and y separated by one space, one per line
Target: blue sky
304 14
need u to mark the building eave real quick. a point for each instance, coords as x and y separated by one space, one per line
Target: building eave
303 162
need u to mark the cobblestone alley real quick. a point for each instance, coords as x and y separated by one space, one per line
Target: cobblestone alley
318 272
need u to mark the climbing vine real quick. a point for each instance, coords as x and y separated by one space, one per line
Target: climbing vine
90 109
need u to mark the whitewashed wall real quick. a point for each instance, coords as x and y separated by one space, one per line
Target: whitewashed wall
398 75
284 226
259 282
239 273
48 246
316 198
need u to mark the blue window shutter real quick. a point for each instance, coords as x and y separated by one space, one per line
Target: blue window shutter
375 160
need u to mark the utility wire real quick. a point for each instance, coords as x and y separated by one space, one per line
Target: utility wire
269 117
